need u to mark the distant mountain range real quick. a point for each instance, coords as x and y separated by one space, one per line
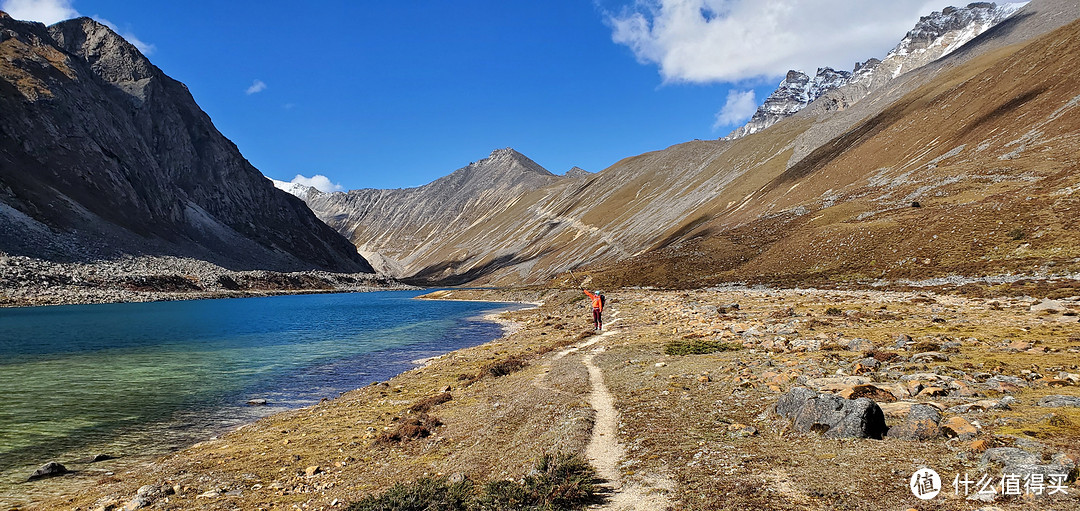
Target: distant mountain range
962 166
102 154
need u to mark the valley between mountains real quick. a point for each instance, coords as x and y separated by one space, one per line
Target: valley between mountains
878 274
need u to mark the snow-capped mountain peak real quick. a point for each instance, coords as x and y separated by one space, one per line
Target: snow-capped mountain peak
933 37
297 189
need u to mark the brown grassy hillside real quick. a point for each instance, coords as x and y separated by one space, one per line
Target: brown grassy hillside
988 151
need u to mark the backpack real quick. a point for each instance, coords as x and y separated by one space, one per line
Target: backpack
603 301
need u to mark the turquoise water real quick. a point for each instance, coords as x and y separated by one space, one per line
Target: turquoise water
142 378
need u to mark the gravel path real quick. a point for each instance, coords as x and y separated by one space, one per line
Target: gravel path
604 451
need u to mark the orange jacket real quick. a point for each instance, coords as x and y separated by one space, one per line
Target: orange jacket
597 303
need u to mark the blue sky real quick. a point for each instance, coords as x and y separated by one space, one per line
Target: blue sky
397 94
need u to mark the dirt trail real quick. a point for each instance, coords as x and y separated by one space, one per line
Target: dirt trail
647 492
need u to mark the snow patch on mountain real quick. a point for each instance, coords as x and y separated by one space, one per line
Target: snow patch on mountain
933 37
298 189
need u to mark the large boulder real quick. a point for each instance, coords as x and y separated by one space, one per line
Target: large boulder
922 423
832 415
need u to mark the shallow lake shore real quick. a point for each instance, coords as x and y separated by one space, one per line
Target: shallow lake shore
690 430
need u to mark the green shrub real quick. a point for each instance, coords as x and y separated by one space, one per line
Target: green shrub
559 482
699 347
426 494
833 311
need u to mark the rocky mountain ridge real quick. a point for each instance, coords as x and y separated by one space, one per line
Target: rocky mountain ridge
822 197
933 37
395 228
102 155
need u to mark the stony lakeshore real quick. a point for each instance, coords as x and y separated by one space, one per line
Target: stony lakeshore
26 281
729 398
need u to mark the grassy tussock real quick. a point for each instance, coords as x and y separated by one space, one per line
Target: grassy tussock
430 402
699 347
419 426
508 365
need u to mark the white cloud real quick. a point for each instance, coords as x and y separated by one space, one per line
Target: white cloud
44 11
739 107
256 87
704 41
144 47
319 182
53 11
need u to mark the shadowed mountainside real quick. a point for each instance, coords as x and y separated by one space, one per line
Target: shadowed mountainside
102 154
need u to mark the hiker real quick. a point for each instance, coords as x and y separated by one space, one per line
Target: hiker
597 309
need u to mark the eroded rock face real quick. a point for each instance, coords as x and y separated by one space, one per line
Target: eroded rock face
793 94
102 154
832 415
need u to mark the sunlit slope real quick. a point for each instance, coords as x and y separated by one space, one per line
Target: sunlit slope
983 141
988 150
621 212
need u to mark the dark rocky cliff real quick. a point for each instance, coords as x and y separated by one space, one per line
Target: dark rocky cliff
102 154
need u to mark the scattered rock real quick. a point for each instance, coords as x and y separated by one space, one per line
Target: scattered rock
868 391
805 345
741 431
920 424
914 387
1023 463
146 495
933 392
899 409
1059 401
959 427
832 415
859 369
1006 384
1019 346
257 402
930 356
859 345
903 340
96 458
312 470
1048 305
50 469
980 445
836 383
